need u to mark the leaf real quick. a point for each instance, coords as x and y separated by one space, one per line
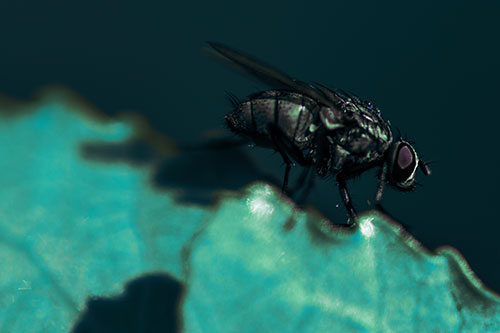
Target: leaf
75 224
70 227
249 271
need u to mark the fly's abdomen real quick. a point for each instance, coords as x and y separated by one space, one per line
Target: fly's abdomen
290 112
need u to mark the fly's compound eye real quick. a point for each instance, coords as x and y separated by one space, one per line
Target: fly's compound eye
404 162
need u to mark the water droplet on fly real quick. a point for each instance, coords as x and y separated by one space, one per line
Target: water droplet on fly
337 206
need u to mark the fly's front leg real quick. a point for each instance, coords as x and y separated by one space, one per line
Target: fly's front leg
344 194
382 176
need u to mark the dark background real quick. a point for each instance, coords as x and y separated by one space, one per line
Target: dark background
432 67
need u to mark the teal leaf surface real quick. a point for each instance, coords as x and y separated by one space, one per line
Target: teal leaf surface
250 266
73 228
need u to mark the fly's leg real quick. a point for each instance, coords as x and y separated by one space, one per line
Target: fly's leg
344 194
382 176
284 187
303 177
280 147
309 186
287 151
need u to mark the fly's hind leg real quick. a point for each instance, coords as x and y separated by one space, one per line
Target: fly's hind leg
288 162
344 194
287 152
281 148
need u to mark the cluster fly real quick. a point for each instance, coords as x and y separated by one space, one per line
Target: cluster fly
330 130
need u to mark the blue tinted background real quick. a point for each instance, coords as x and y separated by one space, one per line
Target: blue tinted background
431 67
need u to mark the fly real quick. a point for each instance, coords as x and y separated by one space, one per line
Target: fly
330 130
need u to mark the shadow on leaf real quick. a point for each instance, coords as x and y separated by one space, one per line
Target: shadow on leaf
149 304
197 174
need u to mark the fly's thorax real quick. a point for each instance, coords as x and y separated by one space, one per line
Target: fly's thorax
350 147
372 123
353 145
356 135
332 118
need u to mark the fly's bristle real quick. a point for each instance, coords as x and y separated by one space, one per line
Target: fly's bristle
233 99
399 133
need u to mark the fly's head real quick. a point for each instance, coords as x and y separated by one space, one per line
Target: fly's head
403 162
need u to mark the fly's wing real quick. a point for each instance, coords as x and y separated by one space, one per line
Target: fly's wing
269 75
338 94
